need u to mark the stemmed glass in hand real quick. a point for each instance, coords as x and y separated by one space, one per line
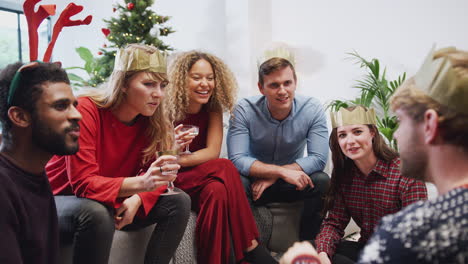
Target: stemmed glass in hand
193 132
170 185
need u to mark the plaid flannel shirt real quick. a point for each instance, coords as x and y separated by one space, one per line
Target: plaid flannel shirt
367 199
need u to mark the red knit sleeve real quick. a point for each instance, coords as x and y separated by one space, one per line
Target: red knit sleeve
332 229
83 169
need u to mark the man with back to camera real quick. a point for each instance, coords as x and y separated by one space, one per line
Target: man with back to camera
39 119
266 140
432 109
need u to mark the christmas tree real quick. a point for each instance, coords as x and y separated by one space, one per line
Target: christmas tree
136 23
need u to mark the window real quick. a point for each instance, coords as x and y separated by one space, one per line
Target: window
14 43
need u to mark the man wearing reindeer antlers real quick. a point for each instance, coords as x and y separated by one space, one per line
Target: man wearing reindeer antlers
39 119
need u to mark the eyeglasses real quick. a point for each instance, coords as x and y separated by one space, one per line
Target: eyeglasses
17 78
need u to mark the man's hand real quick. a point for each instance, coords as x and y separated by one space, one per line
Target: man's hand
298 178
259 186
124 215
300 252
292 166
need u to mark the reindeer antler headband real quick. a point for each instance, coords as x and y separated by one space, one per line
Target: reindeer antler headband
34 19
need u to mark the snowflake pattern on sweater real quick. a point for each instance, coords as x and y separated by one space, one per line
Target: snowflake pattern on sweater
434 231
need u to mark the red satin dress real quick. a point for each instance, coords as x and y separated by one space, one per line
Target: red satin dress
219 198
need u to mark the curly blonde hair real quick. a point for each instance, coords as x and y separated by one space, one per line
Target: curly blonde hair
224 93
111 95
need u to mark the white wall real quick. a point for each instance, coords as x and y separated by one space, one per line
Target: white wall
398 32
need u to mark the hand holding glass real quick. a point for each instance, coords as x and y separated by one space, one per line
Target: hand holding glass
193 132
170 184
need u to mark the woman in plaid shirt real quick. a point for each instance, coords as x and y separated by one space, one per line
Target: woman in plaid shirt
366 184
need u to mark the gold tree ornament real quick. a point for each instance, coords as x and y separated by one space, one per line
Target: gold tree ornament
358 116
444 77
140 60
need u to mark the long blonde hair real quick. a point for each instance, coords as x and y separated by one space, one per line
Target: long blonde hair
111 95
224 93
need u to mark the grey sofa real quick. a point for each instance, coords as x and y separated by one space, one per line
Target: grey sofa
278 224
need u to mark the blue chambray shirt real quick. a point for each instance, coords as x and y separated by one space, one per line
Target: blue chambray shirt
255 135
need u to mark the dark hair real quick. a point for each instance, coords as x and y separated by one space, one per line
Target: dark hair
29 87
344 168
272 65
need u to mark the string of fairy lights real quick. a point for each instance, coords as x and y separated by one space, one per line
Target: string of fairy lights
122 31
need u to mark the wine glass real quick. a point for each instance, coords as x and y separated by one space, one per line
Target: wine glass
170 185
193 132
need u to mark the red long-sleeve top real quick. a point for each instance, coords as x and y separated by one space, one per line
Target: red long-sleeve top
109 152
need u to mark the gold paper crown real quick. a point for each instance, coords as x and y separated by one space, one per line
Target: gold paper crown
357 116
280 50
444 77
140 60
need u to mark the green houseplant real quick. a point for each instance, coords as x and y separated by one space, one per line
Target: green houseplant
375 91
92 67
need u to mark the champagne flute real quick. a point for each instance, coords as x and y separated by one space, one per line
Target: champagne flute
170 185
193 132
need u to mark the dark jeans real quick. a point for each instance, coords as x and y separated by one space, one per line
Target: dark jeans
347 252
89 226
282 191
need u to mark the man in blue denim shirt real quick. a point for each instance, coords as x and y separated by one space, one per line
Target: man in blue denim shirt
266 141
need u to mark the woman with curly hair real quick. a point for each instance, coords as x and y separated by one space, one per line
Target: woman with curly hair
201 88
115 179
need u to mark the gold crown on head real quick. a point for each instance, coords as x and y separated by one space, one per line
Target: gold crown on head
140 60
358 116
278 50
444 77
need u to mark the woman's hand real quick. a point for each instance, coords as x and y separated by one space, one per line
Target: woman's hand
182 138
324 259
153 178
124 214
